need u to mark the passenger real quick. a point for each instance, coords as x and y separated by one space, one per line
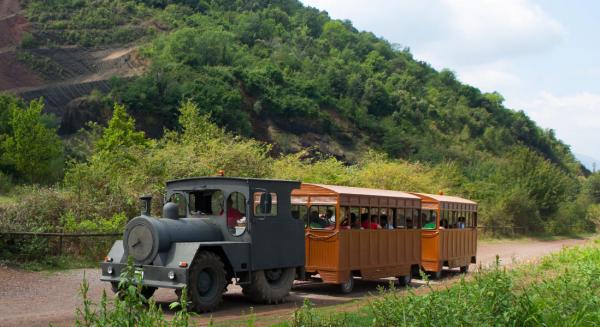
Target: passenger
461 222
429 224
330 216
354 222
345 224
384 223
409 223
315 220
374 224
233 214
364 220
444 223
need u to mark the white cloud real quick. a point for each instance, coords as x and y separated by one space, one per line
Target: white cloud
490 77
489 30
575 118
448 33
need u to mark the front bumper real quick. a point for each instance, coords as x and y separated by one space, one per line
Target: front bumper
154 276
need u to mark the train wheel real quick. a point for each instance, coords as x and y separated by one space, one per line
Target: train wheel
207 280
404 280
464 269
270 286
436 274
347 286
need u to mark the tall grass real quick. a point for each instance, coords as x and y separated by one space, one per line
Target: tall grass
130 307
563 290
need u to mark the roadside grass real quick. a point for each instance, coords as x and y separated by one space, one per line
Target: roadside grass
490 239
51 263
562 289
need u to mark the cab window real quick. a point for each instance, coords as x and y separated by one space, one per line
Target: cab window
263 209
206 202
236 213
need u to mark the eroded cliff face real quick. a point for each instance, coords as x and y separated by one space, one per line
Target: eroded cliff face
62 75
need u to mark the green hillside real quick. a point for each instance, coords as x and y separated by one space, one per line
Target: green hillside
337 106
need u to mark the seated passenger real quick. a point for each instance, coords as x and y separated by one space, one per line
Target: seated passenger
444 223
354 222
461 222
330 216
345 224
385 224
364 220
374 224
409 223
429 224
233 214
315 220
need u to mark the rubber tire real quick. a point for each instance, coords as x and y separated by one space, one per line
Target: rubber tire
261 290
436 274
404 281
212 262
464 269
348 286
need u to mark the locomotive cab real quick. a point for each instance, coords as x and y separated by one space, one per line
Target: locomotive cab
213 231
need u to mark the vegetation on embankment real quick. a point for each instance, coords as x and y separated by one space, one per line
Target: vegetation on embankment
222 72
563 289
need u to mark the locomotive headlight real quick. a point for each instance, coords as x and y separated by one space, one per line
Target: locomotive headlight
171 275
109 270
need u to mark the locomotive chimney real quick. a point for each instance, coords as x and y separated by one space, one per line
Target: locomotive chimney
146 204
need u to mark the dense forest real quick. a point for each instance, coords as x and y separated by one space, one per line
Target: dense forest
271 89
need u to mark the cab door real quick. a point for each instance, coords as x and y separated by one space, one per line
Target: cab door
277 237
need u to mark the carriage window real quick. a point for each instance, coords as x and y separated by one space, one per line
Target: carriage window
236 213
322 217
300 211
207 202
401 218
258 209
179 200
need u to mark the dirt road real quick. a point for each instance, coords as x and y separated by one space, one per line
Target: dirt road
38 298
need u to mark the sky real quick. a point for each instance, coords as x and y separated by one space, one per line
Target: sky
542 56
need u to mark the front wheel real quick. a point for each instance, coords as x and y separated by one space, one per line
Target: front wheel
270 286
464 269
207 281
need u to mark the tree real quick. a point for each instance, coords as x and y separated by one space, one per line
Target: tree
592 186
120 132
32 148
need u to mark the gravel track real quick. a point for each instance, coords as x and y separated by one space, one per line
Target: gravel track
41 298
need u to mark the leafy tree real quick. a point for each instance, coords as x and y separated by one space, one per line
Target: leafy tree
31 147
121 132
592 187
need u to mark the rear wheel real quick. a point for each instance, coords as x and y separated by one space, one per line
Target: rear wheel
207 281
404 280
464 269
436 274
270 286
348 285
